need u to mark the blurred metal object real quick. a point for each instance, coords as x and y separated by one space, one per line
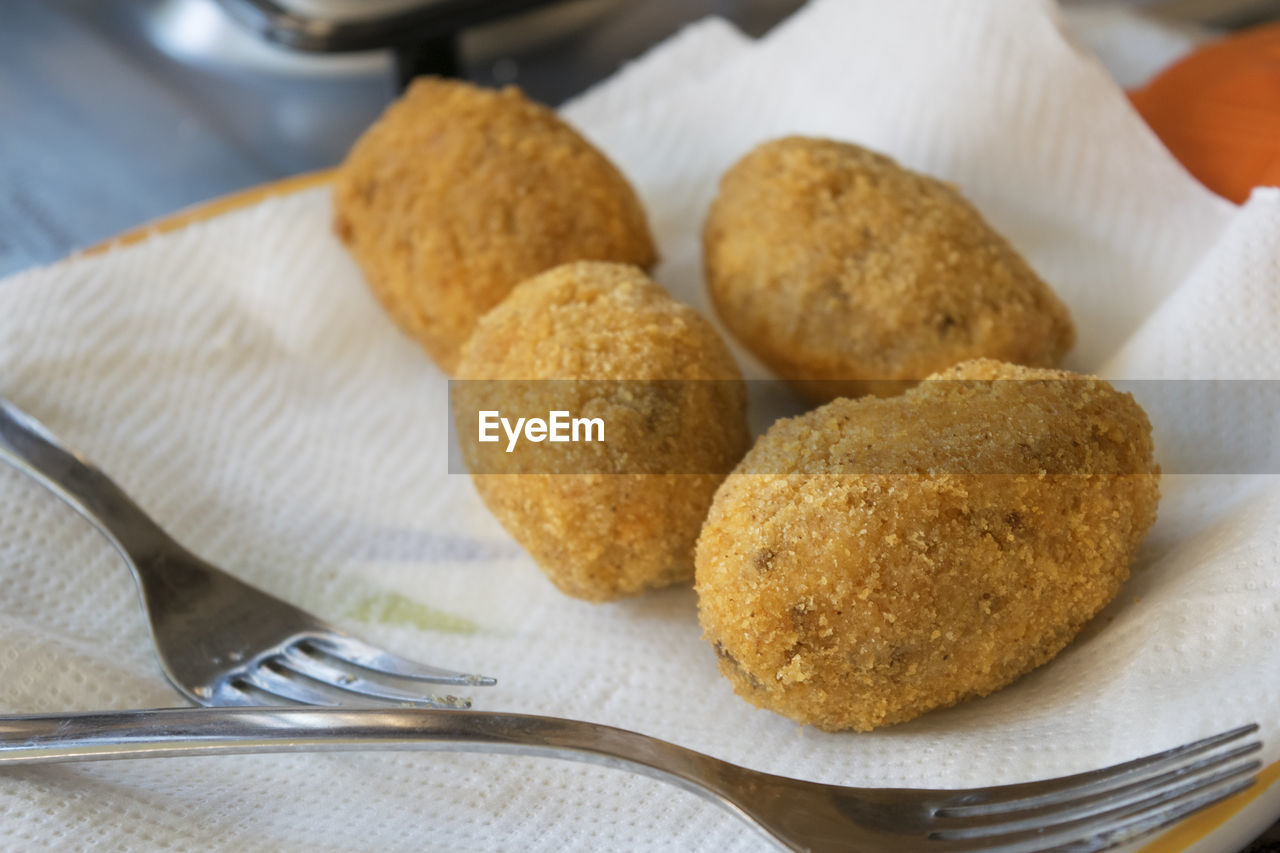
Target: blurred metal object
423 38
1221 14
553 53
428 20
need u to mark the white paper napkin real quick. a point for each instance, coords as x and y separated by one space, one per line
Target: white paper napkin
237 378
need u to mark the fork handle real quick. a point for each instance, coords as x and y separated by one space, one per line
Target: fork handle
31 447
104 735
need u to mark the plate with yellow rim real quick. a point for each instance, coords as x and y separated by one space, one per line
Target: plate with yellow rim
1228 826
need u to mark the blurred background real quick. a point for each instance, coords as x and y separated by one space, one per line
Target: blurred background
115 113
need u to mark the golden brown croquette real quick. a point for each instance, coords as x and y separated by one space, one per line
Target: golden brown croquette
878 558
601 531
849 275
457 193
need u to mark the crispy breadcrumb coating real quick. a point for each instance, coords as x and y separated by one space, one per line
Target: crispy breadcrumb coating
458 193
840 269
878 558
600 535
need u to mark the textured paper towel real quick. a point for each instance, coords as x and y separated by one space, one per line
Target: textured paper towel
239 381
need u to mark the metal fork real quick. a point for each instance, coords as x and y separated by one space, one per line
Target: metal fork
220 640
1085 812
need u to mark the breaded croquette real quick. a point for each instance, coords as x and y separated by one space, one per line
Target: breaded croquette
670 400
847 274
458 193
878 558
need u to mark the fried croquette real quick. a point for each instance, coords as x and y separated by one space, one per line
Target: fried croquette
457 193
671 402
879 558
847 274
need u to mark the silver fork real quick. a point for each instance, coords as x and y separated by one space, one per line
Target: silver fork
1085 812
221 641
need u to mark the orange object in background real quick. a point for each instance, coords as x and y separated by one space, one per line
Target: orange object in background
1218 111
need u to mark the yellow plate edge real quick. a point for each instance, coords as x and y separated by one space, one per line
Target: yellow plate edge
1182 836
212 208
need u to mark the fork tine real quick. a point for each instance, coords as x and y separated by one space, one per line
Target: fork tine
361 654
1095 803
295 690
1121 832
1141 825
225 694
301 663
1030 795
1104 829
